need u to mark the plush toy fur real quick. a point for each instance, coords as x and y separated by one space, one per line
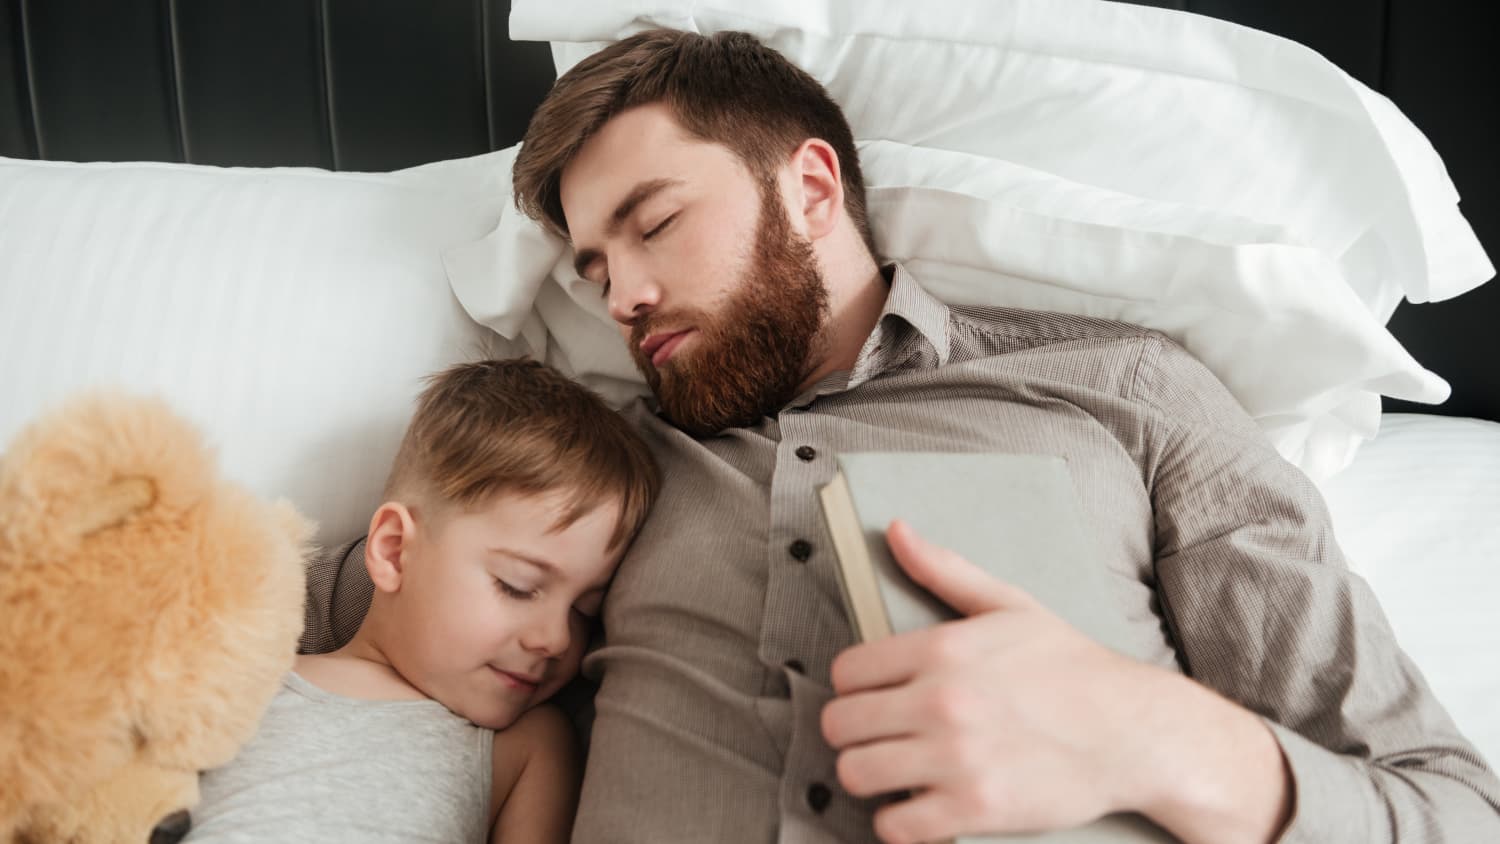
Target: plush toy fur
148 610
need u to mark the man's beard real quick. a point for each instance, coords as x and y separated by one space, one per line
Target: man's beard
752 354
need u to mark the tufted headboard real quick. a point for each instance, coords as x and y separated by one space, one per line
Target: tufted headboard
382 84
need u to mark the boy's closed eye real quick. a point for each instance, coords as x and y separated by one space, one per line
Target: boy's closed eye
516 592
587 606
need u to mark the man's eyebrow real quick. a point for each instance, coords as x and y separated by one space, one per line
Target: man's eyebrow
640 193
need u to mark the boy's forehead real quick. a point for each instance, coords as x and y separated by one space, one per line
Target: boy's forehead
537 526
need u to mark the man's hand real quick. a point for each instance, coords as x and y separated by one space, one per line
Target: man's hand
1010 720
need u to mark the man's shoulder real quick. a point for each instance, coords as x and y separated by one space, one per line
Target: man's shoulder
335 554
1104 354
994 330
1139 363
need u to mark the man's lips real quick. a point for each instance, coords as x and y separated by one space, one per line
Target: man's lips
660 347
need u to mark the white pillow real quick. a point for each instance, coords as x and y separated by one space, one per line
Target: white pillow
1226 186
1156 103
1272 319
1416 514
291 313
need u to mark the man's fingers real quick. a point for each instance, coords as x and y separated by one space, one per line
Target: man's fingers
895 765
871 716
961 584
897 659
954 580
927 816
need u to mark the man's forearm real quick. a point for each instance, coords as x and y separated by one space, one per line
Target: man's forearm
1216 772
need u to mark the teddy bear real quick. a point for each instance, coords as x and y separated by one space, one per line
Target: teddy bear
148 611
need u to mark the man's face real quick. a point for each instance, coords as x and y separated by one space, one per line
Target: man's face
717 294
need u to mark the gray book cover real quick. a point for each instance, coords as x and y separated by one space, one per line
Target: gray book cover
1017 516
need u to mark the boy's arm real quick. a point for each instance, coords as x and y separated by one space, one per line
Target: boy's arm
534 788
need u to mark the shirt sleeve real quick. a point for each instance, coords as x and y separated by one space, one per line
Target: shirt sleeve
1264 610
338 596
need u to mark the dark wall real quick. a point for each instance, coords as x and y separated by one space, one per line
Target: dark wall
382 84
345 84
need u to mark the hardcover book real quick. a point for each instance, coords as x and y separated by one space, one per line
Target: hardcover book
1017 516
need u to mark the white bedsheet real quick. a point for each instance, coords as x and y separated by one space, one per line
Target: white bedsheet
1418 514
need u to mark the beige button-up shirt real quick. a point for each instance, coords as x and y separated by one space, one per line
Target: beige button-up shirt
726 613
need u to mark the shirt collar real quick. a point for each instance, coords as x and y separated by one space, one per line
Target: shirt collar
910 316
920 310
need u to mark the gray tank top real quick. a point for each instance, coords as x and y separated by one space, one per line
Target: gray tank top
324 767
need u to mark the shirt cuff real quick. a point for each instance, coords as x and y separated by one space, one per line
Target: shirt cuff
1334 798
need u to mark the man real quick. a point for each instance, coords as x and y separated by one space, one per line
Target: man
713 193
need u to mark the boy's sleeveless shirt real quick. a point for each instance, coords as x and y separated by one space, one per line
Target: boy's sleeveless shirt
324 767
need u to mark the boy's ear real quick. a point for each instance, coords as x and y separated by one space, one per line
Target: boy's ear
391 531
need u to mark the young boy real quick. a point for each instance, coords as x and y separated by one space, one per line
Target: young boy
513 496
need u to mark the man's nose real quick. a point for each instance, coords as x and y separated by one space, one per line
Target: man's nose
633 293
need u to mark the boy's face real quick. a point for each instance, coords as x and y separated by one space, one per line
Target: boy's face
493 609
714 284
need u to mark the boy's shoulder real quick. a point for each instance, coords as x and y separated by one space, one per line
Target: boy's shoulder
542 740
354 678
540 729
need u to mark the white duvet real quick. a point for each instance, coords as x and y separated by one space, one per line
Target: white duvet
1418 515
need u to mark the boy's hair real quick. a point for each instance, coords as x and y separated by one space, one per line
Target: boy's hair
520 427
728 88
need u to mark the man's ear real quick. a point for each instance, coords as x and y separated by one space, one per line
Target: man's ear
822 186
391 532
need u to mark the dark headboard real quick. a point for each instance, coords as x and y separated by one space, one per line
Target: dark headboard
382 84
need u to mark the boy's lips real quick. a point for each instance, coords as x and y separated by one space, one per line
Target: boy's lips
658 348
522 682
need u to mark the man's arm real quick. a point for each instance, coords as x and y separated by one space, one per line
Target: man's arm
1012 721
1265 611
338 596
1299 700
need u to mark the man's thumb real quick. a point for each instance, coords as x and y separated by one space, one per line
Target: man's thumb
954 580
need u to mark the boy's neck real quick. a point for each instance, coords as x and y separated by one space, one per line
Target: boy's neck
360 669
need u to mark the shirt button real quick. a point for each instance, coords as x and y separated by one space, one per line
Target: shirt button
806 453
800 550
795 665
818 796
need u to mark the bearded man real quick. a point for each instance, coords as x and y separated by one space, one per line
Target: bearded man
712 191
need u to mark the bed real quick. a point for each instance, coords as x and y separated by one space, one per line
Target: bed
406 107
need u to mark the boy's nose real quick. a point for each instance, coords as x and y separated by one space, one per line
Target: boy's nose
549 635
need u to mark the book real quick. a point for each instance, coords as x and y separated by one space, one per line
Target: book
1017 516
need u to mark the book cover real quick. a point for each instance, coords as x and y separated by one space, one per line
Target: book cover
1017 516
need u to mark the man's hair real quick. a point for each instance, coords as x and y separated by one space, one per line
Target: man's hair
520 427
727 88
